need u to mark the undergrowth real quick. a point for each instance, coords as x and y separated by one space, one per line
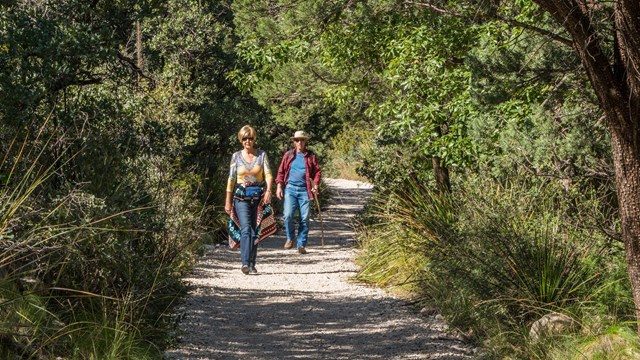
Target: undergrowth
495 259
79 280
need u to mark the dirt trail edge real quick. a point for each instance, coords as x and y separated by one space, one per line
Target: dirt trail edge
305 306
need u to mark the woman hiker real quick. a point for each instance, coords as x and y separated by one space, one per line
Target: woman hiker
248 199
299 174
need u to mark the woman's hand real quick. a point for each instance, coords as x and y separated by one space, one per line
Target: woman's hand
227 208
267 197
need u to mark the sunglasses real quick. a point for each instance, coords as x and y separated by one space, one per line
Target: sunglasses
247 138
298 140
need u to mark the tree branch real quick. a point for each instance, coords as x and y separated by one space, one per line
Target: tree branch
324 79
64 82
515 23
133 64
588 45
541 31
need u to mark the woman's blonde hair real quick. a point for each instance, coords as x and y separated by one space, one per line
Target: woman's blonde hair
247 131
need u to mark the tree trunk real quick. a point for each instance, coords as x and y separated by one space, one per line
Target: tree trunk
616 82
627 166
440 172
625 141
139 46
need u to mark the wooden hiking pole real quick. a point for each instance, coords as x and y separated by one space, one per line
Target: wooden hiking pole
320 215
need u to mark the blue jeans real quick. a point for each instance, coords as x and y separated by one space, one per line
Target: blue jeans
247 212
296 198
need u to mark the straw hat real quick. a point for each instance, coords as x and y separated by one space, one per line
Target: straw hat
300 135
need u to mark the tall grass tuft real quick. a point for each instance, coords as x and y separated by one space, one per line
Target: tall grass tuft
495 259
24 245
79 280
395 245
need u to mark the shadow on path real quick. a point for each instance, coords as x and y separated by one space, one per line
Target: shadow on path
304 306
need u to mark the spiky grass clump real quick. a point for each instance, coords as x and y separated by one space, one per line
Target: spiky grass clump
395 246
79 282
618 342
492 260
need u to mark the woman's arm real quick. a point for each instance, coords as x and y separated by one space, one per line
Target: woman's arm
268 178
227 202
231 184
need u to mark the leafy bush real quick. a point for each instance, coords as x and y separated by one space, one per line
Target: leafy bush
497 258
348 152
68 263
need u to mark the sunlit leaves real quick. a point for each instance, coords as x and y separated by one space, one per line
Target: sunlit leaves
425 84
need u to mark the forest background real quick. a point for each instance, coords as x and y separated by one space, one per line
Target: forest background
477 121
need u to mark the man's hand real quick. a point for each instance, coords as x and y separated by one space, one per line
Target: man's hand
279 193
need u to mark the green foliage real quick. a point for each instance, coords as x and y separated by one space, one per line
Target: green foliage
348 152
615 342
101 335
125 170
528 229
67 259
279 68
497 257
104 209
538 112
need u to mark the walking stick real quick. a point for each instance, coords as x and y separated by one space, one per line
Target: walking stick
320 215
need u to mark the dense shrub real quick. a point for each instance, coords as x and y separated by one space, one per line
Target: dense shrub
88 277
498 256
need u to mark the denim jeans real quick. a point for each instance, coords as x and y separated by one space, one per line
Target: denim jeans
296 198
247 212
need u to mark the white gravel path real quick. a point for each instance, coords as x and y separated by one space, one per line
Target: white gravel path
305 306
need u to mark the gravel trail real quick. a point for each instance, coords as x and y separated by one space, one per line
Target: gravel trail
305 306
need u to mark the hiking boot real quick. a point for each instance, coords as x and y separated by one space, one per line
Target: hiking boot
288 245
302 250
245 269
253 270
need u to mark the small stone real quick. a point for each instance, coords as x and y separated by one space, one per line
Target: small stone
551 324
428 311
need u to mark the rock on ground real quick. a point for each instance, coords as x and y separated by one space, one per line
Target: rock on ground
305 306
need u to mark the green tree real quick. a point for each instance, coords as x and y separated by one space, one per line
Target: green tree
131 141
606 38
374 61
407 65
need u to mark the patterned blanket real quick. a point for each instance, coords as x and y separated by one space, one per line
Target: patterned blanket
266 225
